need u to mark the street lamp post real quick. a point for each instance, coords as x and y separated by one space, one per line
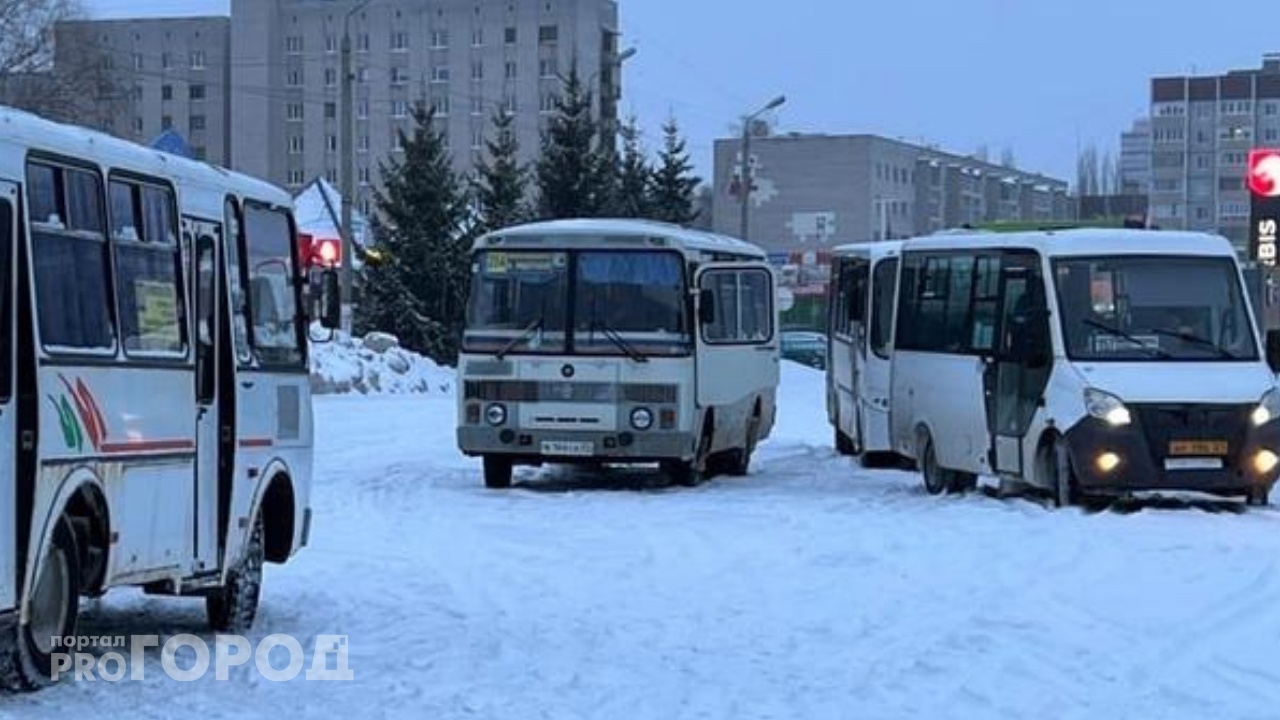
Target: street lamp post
745 183
346 171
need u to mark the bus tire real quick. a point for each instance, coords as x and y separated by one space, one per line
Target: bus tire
234 606
844 444
1258 497
740 460
937 479
497 472
26 650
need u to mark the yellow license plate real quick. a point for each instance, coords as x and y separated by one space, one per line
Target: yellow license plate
1198 447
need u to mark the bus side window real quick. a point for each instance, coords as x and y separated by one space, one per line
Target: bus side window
205 317
272 290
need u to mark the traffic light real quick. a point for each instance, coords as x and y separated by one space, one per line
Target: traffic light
327 253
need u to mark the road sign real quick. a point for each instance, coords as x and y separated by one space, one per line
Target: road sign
1264 216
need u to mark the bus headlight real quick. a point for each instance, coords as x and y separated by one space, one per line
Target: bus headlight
1106 407
495 414
642 418
1268 408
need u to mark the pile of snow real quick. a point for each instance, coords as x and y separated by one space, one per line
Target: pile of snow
374 364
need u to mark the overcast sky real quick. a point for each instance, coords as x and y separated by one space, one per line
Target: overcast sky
1040 76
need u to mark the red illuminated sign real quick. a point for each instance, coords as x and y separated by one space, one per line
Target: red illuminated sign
1264 172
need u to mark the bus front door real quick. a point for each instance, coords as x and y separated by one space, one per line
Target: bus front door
1016 377
212 446
8 421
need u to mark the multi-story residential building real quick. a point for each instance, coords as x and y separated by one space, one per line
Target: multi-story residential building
812 191
1202 128
167 74
466 58
1135 159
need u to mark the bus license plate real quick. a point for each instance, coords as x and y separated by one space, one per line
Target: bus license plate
1198 447
568 448
1193 463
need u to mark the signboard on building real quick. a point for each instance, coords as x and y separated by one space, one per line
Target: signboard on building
1264 218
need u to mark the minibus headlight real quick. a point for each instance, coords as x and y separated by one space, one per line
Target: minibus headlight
642 418
495 414
1106 407
1268 408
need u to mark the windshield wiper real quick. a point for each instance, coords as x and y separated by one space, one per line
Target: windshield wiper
1197 340
1155 351
524 335
616 339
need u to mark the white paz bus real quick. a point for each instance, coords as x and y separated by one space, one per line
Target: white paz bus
1081 362
617 341
154 397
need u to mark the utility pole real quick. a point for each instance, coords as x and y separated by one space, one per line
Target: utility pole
346 171
744 187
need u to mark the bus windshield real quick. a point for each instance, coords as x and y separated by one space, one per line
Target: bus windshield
623 303
1145 308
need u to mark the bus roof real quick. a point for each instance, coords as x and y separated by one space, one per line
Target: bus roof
21 131
684 238
1084 242
871 250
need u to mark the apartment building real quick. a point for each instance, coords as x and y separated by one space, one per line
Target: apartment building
1202 128
1135 159
166 74
814 191
466 58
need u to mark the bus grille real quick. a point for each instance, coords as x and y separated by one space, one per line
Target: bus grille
534 391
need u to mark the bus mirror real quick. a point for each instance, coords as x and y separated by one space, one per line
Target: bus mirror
330 300
706 307
1273 350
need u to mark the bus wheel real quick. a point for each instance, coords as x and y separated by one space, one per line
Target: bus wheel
234 606
26 650
844 444
937 479
1061 478
497 472
740 461
1258 497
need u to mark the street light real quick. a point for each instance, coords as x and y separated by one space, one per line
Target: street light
348 182
744 186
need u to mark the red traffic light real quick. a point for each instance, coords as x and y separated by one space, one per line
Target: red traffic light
1264 172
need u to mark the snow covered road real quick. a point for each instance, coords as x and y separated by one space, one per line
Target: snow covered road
809 589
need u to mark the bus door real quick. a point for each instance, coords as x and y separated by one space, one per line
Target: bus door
1018 373
8 420
847 343
214 453
875 377
738 344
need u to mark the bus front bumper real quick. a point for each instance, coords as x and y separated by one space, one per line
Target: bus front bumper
1217 452
561 446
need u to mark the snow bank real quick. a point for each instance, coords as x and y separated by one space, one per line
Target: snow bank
374 364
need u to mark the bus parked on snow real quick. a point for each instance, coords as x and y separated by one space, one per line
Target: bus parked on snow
1080 362
617 341
154 393
860 304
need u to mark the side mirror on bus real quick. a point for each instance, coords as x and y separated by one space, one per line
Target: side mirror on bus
1273 350
706 307
330 300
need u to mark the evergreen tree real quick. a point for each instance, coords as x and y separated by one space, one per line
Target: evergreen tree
570 172
675 186
419 290
635 176
501 180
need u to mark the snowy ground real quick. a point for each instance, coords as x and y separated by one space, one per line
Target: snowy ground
808 590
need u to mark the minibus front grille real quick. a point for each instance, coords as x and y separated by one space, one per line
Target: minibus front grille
1165 423
585 392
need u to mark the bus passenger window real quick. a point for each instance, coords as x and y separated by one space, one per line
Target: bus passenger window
272 291
148 268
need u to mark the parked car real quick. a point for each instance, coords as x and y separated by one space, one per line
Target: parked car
805 347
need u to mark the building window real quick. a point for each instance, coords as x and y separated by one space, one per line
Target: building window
510 36
399 76
197 60
137 125
197 122
364 176
477 106
548 103
548 67
512 69
399 109
196 92
331 175
548 34
397 140
440 104
362 109
331 43
293 44
362 75
294 78
137 61
296 178
166 61
440 73
166 122
330 77
331 143
477 69
477 37
362 43
477 138
166 92
439 39
1269 109
362 144
330 110
399 41
295 144
1269 134
293 112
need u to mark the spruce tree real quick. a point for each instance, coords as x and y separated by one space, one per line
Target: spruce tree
569 172
419 290
502 182
675 186
635 176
